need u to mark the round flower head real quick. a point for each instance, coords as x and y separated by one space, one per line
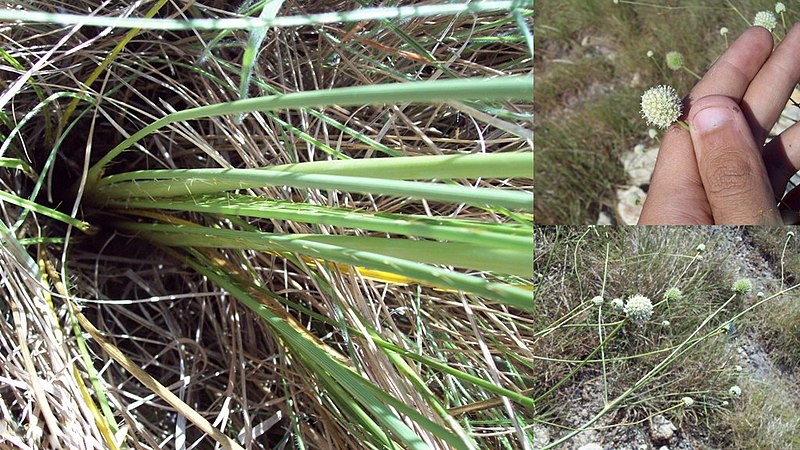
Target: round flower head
700 248
661 106
765 19
674 60
618 304
639 308
743 286
687 401
597 300
723 31
652 133
665 324
780 8
735 391
673 293
790 234
649 53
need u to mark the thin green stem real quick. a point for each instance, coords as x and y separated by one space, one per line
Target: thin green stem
416 92
174 183
183 236
249 23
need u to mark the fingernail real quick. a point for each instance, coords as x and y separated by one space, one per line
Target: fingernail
710 118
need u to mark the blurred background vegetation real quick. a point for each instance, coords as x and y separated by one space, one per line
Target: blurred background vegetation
591 68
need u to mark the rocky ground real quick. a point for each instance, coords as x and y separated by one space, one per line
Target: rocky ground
658 432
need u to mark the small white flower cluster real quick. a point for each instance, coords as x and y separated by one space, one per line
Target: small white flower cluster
742 286
674 60
639 309
735 391
661 106
618 304
597 300
700 248
687 401
765 19
780 8
723 31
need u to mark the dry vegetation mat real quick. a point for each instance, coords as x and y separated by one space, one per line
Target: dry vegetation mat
270 224
683 337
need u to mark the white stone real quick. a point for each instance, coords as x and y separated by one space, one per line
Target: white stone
661 429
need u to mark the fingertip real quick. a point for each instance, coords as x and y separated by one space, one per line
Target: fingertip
712 101
760 36
761 32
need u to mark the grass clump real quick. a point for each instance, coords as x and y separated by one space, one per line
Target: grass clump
764 417
284 225
779 325
671 331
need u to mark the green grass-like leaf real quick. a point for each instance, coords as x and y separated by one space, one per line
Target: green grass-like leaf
196 236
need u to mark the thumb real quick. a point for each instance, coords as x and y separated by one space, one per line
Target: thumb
730 164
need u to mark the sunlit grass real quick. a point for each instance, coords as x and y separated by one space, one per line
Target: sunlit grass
278 228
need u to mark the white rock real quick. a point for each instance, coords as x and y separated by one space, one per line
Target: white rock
640 165
629 204
604 219
541 436
661 429
591 446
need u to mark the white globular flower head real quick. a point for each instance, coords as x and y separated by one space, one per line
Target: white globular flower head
666 324
687 401
674 60
652 133
650 53
661 106
735 391
723 31
639 309
765 19
700 248
618 304
673 293
742 286
597 300
780 8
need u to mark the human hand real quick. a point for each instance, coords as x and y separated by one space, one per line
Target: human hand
719 171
